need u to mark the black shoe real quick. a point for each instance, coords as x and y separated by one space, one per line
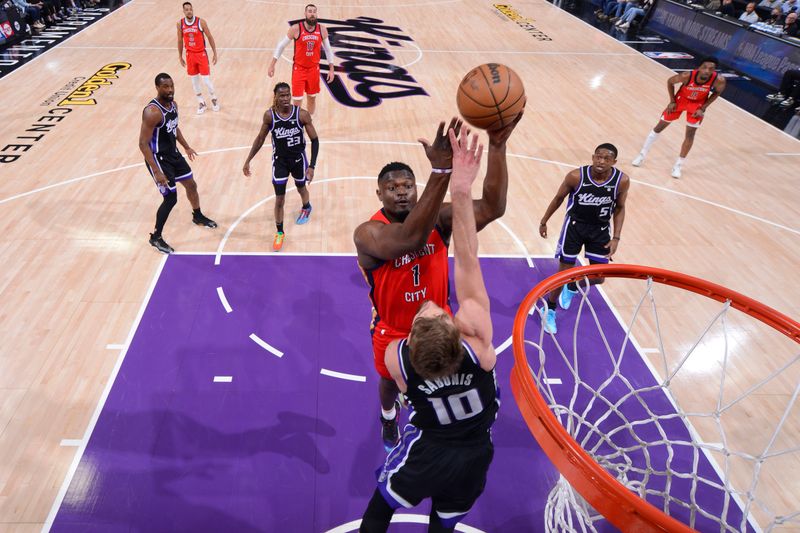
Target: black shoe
202 220
159 244
390 431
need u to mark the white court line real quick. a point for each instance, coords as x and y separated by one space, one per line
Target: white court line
553 381
103 397
351 254
223 379
651 350
353 526
264 344
68 443
342 375
500 349
115 346
224 300
405 4
773 154
404 143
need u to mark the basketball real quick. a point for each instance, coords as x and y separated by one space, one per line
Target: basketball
490 96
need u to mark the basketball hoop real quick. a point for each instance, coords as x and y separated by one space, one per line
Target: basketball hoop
624 447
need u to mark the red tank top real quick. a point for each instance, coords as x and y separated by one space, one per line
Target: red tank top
193 38
399 286
307 47
696 92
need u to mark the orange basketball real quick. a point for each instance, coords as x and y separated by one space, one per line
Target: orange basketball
490 96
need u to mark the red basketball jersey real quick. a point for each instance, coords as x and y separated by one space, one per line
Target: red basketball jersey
696 92
307 47
399 286
193 38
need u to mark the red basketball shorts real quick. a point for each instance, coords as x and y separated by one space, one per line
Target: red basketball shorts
689 107
197 63
305 81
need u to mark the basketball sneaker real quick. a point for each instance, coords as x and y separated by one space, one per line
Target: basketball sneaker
304 215
389 430
565 298
549 320
201 108
789 102
214 104
159 244
638 160
277 242
202 220
776 97
676 171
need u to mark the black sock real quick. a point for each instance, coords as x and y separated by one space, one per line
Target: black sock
196 212
279 225
572 286
164 209
377 516
435 524
551 305
307 205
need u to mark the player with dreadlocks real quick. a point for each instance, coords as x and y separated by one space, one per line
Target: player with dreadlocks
286 122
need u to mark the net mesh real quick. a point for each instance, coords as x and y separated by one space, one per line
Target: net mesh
708 433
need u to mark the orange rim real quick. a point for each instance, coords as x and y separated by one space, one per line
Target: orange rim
601 490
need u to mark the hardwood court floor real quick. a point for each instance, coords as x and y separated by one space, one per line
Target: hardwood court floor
78 204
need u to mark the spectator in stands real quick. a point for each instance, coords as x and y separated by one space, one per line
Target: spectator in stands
631 14
789 92
712 5
613 9
775 17
790 27
789 6
728 8
770 4
31 12
749 16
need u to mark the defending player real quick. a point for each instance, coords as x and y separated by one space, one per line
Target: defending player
699 88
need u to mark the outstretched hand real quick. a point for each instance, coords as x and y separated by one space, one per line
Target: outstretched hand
500 136
466 160
439 152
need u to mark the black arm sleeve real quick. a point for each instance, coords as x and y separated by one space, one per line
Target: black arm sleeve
314 152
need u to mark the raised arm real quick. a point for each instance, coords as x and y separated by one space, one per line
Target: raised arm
292 33
266 125
151 117
207 33
570 183
492 204
473 318
376 242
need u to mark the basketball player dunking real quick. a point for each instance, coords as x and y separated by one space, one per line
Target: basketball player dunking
402 249
286 122
699 88
309 36
596 193
445 367
157 138
192 34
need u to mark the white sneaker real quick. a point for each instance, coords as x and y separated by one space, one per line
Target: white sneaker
215 104
638 160
676 171
201 108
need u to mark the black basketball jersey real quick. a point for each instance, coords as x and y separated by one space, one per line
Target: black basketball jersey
163 139
461 407
287 134
594 203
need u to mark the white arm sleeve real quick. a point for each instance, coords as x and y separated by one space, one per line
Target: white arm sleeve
281 45
328 51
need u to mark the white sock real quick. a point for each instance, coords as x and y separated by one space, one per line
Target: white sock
207 81
649 142
680 161
390 414
198 89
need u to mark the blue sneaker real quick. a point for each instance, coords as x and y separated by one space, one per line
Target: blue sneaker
549 321
565 298
304 215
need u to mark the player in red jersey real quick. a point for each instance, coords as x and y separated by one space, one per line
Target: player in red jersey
402 249
699 88
192 34
309 37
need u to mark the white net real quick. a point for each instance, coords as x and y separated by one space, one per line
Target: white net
690 404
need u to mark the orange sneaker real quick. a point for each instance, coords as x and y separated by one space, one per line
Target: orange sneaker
277 242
